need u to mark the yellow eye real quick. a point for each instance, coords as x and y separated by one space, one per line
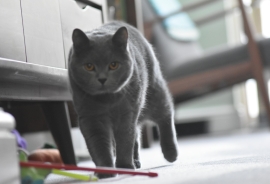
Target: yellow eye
89 67
114 66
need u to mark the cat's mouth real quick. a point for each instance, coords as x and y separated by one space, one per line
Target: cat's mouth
106 89
103 89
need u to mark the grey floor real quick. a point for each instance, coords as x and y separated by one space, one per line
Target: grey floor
241 157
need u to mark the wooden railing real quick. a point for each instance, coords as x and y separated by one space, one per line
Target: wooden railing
208 81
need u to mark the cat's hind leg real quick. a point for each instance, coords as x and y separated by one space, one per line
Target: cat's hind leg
168 140
161 110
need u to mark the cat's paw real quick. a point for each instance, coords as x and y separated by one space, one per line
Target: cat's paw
137 163
103 176
170 154
125 166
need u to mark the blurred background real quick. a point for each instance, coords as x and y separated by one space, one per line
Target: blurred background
233 108
196 36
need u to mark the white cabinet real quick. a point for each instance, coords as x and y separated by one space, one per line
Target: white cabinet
43 32
80 16
40 31
11 31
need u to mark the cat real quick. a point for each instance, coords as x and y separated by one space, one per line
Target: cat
117 84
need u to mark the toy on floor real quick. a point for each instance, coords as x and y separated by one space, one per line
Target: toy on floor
46 155
31 175
21 142
36 175
97 170
77 176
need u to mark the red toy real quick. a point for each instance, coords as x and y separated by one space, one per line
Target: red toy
97 170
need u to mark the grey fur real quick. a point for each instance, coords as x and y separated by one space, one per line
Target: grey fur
132 94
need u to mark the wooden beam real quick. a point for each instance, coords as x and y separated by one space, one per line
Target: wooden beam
207 90
206 80
256 61
214 16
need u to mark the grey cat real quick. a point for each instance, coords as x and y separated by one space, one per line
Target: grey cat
117 84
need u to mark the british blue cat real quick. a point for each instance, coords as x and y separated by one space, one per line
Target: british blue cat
117 85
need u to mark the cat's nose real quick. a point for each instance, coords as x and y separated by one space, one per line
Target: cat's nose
102 81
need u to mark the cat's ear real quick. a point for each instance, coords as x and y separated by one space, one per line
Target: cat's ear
80 40
120 38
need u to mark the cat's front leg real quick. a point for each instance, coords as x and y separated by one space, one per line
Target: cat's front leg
98 136
125 136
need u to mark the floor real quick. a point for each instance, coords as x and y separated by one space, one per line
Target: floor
241 157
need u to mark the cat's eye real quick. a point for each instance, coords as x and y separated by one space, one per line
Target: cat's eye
89 67
114 65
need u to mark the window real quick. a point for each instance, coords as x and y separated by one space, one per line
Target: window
179 26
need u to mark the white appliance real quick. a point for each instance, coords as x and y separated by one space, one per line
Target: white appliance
9 164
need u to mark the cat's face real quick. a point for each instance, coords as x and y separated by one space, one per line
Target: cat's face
100 63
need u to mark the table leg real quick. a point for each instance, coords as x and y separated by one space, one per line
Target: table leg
57 117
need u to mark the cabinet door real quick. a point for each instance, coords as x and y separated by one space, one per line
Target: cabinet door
80 16
43 33
11 31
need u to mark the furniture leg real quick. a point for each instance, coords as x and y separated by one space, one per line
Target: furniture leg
255 60
57 117
147 136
